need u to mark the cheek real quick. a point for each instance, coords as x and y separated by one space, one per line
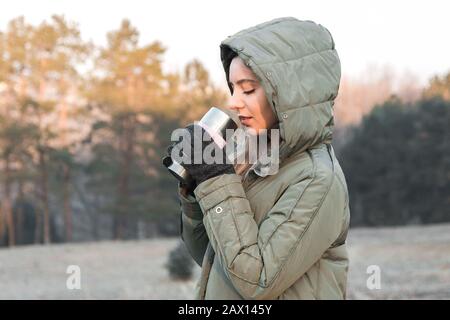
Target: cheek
270 117
266 112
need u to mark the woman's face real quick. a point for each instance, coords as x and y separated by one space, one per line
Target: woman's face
249 100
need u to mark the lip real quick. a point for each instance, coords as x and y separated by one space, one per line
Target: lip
244 119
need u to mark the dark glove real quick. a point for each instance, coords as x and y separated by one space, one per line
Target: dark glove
202 171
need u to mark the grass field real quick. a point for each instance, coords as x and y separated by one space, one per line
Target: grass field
414 263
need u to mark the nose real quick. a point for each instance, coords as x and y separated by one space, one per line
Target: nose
235 103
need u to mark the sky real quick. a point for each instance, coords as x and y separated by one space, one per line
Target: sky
407 36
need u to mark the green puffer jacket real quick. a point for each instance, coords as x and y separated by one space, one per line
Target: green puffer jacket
278 236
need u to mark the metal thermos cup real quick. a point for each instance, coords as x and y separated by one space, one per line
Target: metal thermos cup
215 122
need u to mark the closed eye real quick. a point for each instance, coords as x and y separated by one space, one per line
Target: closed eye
249 92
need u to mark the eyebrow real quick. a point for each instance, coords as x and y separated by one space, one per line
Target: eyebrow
243 80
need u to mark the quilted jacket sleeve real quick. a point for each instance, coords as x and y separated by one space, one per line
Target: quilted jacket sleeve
263 262
193 232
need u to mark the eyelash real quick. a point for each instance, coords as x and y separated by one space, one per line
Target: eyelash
249 92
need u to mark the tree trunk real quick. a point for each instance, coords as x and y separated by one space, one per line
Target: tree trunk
38 219
126 147
67 206
19 215
2 224
44 194
7 207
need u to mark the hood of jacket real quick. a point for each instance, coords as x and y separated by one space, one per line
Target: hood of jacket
297 64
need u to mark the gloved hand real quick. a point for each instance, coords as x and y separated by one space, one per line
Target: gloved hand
202 171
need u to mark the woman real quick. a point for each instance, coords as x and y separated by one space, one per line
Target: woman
278 236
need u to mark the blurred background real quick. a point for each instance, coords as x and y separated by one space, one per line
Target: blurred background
91 91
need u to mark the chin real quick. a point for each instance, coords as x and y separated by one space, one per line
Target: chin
253 131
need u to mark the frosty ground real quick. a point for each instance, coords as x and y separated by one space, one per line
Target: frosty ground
414 263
